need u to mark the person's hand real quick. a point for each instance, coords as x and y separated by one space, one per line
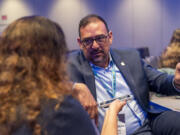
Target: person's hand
84 96
177 76
110 122
116 106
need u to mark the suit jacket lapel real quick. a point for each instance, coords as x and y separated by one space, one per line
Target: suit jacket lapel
121 63
88 75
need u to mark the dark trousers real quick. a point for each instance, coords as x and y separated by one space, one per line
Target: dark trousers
165 123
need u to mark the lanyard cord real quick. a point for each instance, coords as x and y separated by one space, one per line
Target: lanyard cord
112 91
134 113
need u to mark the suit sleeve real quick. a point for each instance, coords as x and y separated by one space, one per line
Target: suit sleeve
156 80
73 67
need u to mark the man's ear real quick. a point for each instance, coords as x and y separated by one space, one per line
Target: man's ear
110 37
79 42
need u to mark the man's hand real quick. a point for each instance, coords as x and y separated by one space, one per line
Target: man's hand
177 76
84 96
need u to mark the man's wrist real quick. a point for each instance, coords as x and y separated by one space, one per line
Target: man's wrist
176 85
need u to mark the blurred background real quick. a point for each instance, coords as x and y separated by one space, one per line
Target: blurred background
134 23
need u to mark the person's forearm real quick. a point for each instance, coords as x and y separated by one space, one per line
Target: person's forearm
110 124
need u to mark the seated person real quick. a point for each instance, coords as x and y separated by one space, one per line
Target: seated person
110 73
35 92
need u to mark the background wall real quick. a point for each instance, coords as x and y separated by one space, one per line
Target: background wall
134 23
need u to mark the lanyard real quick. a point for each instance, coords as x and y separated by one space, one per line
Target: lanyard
111 91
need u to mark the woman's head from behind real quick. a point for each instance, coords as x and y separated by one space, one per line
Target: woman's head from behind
36 38
32 66
176 36
171 55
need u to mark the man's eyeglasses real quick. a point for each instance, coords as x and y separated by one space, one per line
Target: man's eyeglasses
87 42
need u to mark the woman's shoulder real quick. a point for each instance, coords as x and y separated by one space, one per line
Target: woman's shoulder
68 105
69 101
68 118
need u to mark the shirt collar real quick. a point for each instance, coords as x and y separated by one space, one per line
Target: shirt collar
109 65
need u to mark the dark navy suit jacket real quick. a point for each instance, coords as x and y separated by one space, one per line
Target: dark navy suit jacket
139 76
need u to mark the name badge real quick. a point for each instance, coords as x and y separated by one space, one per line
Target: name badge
121 124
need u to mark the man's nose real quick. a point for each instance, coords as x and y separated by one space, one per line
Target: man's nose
95 44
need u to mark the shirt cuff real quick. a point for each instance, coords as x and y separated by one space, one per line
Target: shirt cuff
73 86
177 89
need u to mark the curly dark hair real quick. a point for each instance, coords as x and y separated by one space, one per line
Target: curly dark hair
32 69
171 55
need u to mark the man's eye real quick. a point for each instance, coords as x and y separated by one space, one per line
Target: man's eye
100 38
87 41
